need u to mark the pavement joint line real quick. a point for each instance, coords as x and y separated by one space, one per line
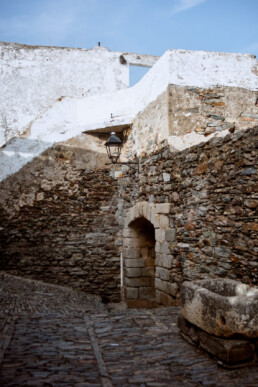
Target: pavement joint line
102 368
5 342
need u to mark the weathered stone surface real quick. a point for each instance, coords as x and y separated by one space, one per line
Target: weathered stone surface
63 337
162 273
137 282
212 219
131 253
64 235
221 307
231 352
164 222
160 235
133 272
166 261
170 235
135 262
132 292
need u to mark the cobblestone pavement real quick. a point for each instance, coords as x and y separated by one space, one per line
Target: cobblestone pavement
54 336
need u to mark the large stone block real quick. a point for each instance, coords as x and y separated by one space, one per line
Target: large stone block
221 307
133 272
164 248
155 220
163 221
160 235
226 350
166 261
163 298
131 253
132 292
150 209
172 288
163 208
137 282
230 351
159 284
131 242
135 262
129 233
159 259
157 247
162 273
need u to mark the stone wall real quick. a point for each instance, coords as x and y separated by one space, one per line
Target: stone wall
206 111
186 116
58 223
60 219
212 193
150 127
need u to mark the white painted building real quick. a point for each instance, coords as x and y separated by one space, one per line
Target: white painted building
51 94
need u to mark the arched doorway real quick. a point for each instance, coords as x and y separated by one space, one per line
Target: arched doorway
148 262
139 253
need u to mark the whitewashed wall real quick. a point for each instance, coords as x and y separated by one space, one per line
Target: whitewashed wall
33 78
107 102
205 69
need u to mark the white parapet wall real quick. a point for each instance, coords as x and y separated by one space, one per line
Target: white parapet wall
109 102
33 78
206 69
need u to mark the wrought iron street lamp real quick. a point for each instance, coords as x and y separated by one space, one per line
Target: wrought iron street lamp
114 147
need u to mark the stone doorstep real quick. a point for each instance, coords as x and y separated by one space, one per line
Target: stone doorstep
232 353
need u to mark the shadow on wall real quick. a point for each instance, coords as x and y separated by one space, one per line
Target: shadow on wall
17 153
58 222
84 151
59 165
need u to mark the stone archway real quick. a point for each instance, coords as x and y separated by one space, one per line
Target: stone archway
139 251
147 270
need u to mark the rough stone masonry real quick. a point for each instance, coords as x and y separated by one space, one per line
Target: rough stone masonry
212 192
192 121
58 225
63 224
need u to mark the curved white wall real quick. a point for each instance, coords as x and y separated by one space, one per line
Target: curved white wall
72 115
33 78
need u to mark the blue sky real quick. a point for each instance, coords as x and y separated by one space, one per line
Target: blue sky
141 26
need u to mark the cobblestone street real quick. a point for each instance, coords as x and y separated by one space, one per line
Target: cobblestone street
55 336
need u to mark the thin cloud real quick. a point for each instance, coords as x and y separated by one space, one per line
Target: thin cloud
184 5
